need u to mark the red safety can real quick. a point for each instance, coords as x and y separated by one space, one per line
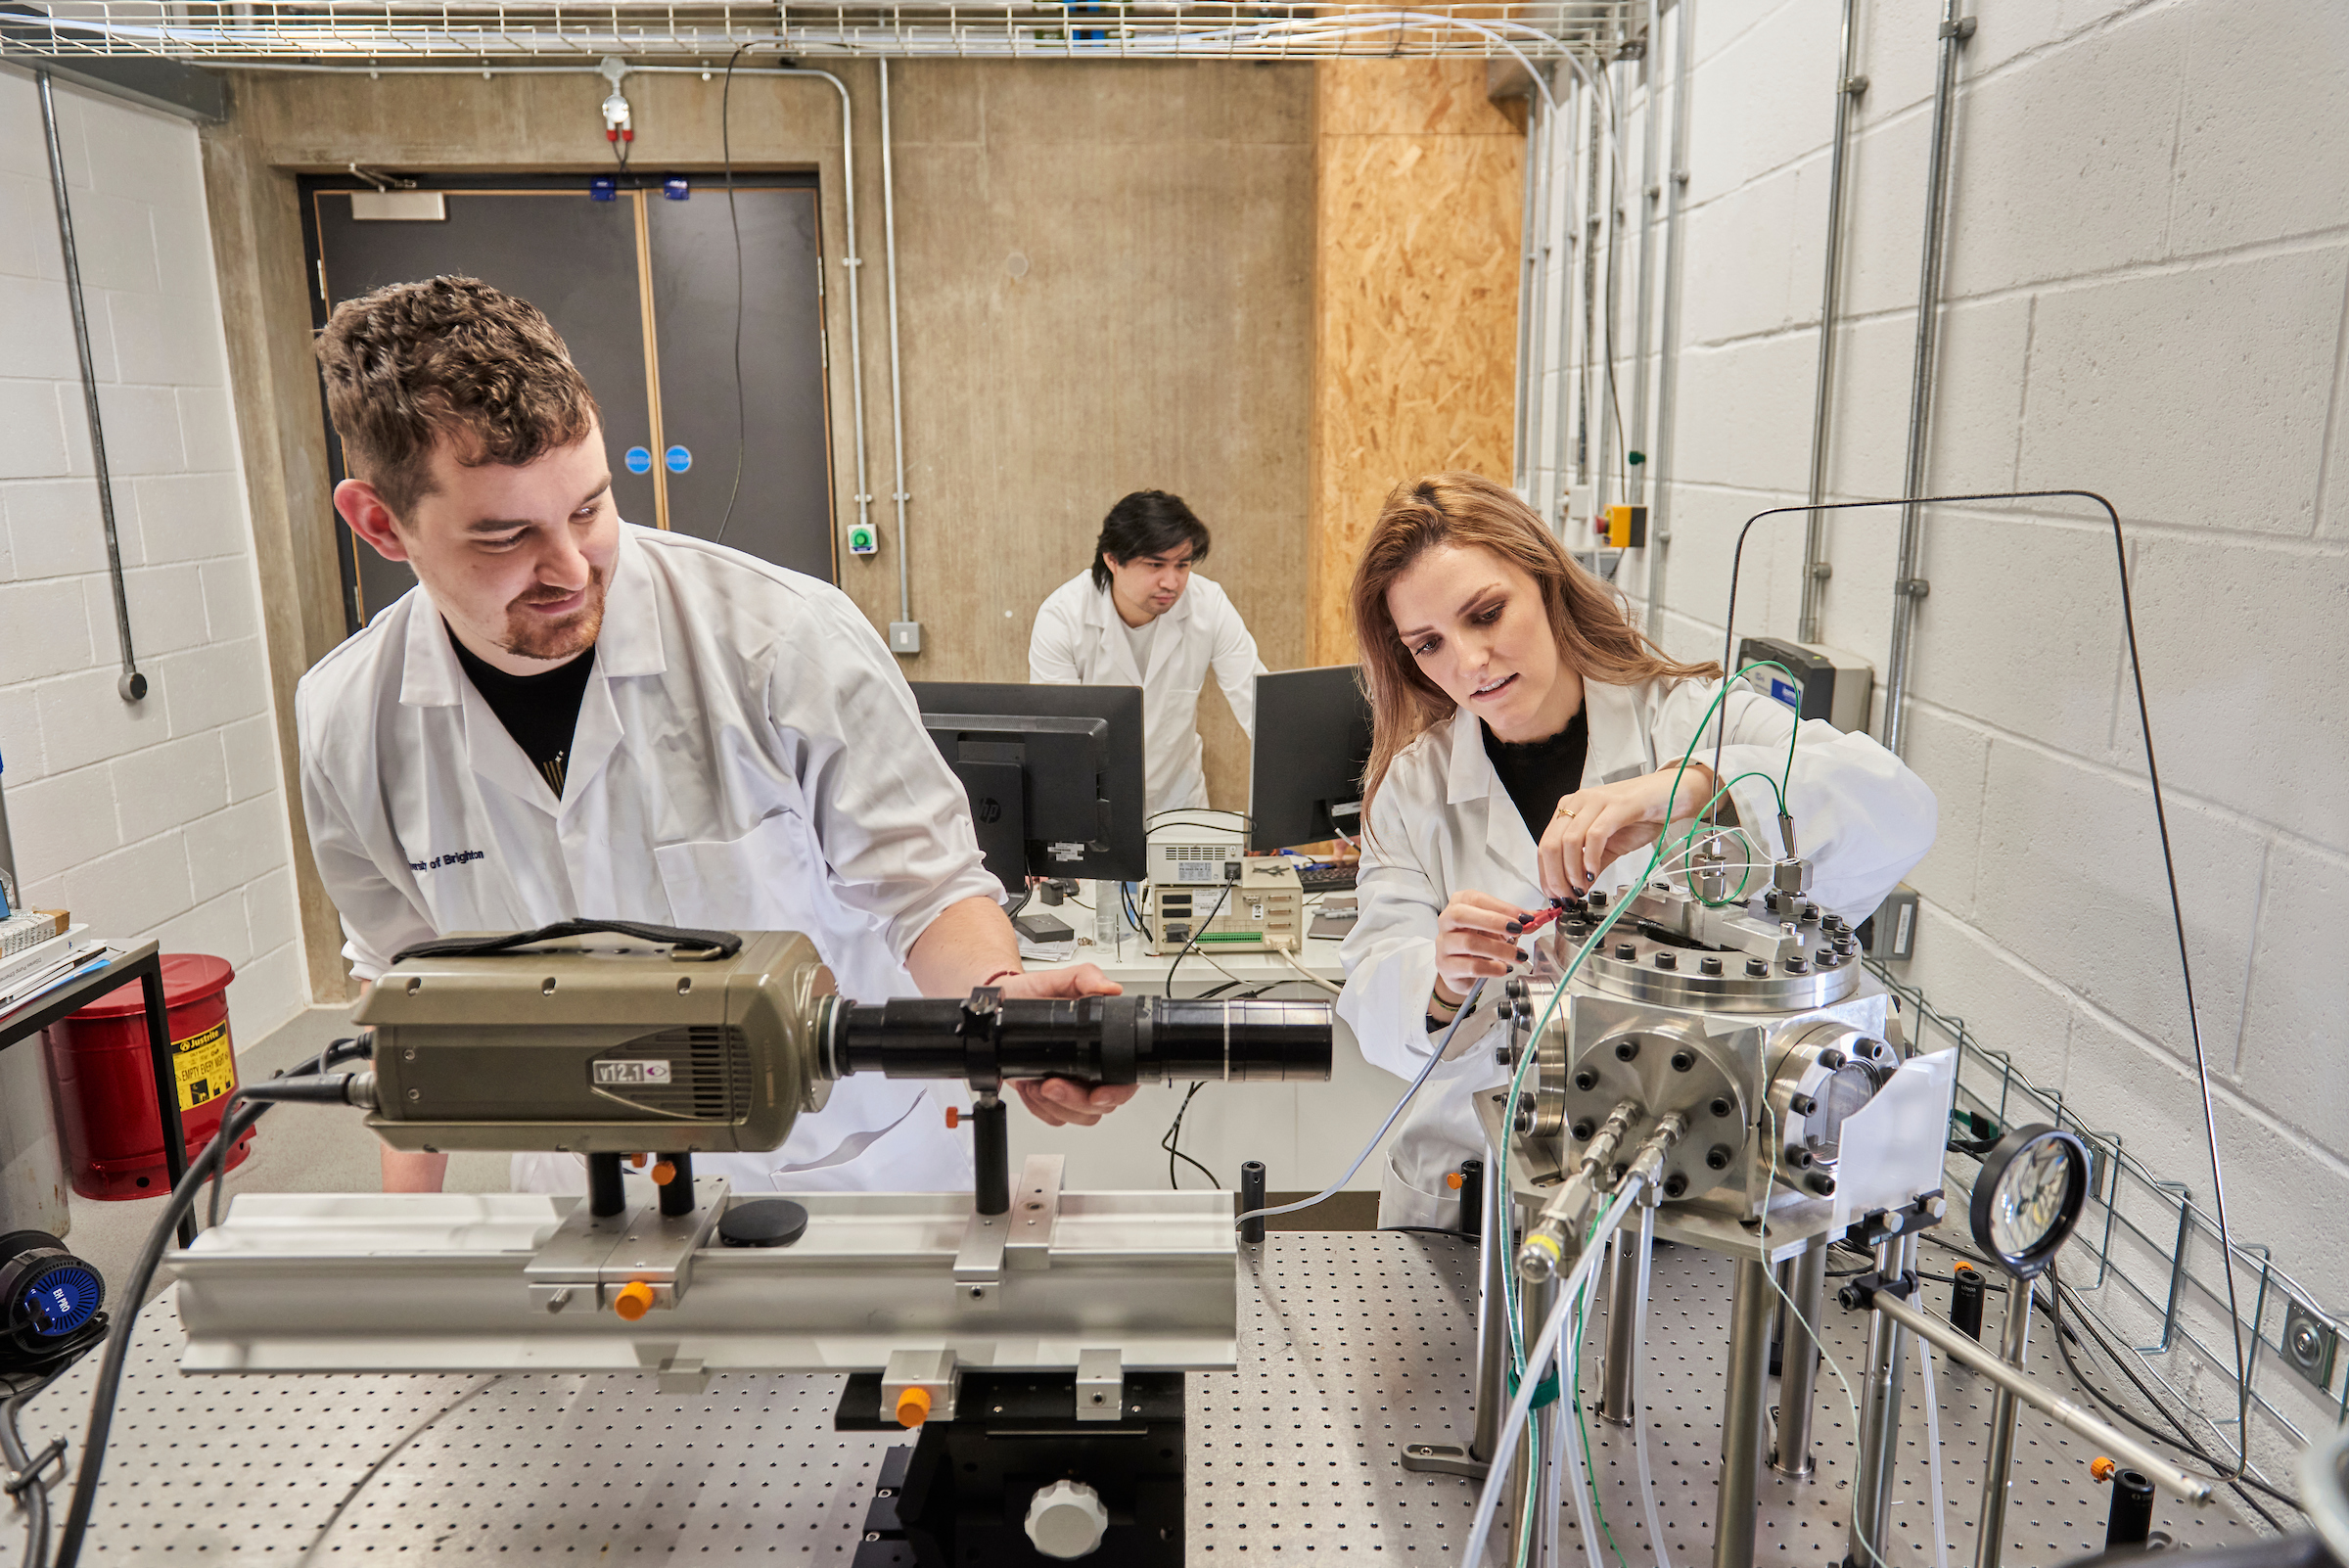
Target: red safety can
104 1082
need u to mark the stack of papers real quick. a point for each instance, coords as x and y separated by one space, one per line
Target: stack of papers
47 965
28 929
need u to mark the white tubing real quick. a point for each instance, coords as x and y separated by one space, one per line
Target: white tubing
1647 1483
1545 1346
1941 1534
1468 1005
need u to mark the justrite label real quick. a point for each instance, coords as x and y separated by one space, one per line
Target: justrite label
631 1072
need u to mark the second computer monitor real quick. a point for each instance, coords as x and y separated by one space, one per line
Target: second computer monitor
1312 742
1053 773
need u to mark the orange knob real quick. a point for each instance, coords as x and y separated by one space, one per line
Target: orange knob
634 1299
663 1173
953 1117
1453 1179
914 1407
636 1162
2101 1468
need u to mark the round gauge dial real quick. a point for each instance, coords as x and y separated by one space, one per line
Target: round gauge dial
2029 1196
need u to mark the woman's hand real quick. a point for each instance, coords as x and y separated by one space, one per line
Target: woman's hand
1473 941
1592 828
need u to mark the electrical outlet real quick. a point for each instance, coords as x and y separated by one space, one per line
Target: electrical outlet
906 636
2309 1344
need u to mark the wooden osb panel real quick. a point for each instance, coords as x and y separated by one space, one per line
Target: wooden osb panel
1420 187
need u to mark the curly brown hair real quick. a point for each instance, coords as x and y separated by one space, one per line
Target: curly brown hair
1595 636
451 355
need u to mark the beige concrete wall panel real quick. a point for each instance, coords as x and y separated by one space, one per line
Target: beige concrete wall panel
1416 302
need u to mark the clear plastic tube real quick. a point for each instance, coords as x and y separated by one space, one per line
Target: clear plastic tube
1545 1347
1648 1482
1941 1534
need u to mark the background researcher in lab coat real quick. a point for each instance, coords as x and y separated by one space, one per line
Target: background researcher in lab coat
1142 618
571 716
1525 740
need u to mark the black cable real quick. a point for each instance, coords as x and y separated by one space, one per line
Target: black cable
346 1050
35 1496
742 418
2168 870
1197 931
1173 1141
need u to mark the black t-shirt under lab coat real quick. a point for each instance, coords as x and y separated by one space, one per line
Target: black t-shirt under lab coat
541 711
1538 774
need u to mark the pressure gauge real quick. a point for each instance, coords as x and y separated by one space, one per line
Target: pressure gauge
2029 1196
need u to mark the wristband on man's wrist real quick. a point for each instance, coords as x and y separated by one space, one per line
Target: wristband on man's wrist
1000 974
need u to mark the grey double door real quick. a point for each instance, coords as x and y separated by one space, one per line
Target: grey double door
642 287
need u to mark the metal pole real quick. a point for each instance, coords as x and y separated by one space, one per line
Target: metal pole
1615 1401
1742 1411
1538 389
1815 570
1668 373
1526 276
1491 1322
1798 1361
2014 1341
854 267
1588 235
1879 1417
1610 303
2012 1379
131 686
1651 194
1534 1300
897 404
1908 589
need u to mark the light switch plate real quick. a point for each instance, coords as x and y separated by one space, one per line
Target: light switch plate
905 636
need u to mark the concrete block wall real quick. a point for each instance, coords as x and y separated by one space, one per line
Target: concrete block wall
2144 296
166 818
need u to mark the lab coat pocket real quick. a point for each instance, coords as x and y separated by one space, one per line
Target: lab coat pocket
753 883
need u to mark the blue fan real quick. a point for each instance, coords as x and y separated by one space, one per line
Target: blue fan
49 1298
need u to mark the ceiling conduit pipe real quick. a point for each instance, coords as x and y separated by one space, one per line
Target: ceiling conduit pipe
1907 588
1651 194
1816 568
905 637
1526 280
131 686
1610 291
1668 371
1586 232
1543 126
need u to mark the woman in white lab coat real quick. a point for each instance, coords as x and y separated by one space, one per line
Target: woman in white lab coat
1141 618
1525 742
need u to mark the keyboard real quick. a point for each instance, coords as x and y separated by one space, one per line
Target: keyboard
1325 878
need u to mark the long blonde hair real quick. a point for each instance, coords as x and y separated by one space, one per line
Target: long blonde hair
1595 637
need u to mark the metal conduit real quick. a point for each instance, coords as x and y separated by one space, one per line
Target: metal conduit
1651 194
896 406
1816 569
1541 128
1668 373
131 686
1526 277
1907 588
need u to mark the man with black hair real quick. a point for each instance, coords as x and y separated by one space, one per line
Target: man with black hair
1142 618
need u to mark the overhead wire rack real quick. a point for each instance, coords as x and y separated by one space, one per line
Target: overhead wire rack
388 33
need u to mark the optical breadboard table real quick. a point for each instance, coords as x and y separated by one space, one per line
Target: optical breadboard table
1354 1345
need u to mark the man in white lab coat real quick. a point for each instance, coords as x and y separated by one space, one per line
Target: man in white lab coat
572 716
1142 618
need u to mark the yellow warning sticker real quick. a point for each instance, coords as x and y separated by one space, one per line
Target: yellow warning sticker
206 1066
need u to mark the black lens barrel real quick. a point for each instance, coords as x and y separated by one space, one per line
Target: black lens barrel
1093 1039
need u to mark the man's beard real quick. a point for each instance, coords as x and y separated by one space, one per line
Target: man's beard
534 637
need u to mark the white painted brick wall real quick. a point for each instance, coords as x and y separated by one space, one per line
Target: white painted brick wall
2145 296
167 819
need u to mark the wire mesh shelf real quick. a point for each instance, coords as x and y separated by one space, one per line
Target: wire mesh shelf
387 33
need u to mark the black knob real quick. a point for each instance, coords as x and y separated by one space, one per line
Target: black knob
1625 1049
1674 1184
1708 966
1682 1060
1757 967
1665 960
1716 1158
1583 1129
1586 1080
1626 950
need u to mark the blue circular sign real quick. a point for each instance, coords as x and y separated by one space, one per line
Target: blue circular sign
679 459
639 460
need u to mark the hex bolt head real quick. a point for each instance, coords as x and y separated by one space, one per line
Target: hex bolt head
1708 966
1821 1183
1832 1059
1583 1129
1716 1158
1674 1184
1810 913
1684 1060
1665 960
1757 967
1525 1119
1798 1157
1586 1080
1721 1106
1626 950
1797 964
1597 899
1801 1104
1625 1049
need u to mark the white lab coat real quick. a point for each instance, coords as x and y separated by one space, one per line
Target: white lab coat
1079 640
1442 823
711 783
